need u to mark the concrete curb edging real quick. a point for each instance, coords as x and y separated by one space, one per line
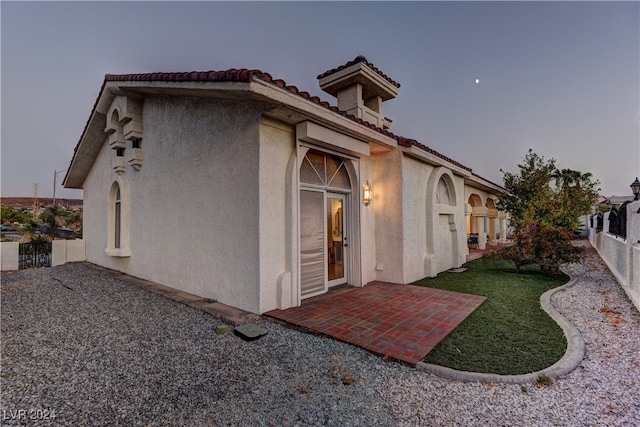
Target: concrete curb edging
571 359
225 313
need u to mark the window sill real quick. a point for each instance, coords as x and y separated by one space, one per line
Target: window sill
120 253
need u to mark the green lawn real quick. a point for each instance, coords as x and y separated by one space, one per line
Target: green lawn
509 333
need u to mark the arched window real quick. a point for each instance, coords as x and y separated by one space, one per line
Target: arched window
324 170
117 219
443 196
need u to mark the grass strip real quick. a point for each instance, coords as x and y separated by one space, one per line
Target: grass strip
509 333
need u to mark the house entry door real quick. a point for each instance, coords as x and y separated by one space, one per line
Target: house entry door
325 189
324 241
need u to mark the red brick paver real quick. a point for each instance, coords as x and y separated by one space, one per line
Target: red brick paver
402 321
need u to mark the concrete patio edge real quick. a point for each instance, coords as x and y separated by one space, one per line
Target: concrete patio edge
571 359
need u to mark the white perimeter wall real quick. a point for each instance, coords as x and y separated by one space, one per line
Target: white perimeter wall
62 252
9 252
622 256
194 212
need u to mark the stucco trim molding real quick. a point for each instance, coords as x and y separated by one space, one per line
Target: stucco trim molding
119 253
319 135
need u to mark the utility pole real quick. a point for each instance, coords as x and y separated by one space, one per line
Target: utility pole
36 186
55 175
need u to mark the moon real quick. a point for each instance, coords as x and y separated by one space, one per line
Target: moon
477 81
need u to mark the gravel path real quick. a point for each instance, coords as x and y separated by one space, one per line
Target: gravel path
92 350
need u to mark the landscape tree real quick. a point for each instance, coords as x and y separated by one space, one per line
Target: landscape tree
73 219
576 193
545 216
12 215
52 218
29 230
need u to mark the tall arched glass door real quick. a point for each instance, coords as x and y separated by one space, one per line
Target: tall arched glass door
324 222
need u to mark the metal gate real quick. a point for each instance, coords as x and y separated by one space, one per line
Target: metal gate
34 254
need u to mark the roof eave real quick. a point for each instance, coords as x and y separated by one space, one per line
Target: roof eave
93 136
435 160
484 184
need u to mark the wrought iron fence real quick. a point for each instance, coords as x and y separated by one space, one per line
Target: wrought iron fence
618 221
599 222
34 254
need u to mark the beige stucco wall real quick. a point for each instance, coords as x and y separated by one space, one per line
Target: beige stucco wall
434 236
213 208
278 198
415 237
415 176
388 209
193 212
368 257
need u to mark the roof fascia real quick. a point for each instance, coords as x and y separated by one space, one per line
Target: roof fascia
429 158
93 135
477 181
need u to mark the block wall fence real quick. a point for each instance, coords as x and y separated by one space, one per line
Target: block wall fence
622 255
63 251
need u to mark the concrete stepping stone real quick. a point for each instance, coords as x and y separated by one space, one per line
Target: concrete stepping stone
249 331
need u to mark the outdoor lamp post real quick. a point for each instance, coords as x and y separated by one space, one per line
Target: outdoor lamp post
635 187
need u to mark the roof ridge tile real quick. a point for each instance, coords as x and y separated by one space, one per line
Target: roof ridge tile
358 59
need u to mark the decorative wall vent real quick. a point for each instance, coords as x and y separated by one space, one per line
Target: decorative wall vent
124 126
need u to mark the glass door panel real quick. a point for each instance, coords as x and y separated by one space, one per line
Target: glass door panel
312 243
336 240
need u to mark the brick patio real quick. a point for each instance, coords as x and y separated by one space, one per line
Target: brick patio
400 321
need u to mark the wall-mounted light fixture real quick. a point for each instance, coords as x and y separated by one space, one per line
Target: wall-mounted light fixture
635 187
367 193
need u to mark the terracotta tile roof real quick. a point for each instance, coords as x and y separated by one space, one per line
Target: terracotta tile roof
246 75
235 75
357 59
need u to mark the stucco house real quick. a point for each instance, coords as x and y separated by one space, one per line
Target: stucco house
238 187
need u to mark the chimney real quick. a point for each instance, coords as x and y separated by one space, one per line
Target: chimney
360 89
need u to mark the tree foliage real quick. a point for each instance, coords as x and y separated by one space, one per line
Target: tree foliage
9 214
546 205
52 218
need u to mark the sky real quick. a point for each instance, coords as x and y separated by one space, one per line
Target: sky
560 78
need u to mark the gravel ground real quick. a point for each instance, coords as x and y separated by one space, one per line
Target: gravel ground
88 349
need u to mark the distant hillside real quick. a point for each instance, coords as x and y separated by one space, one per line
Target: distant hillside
27 202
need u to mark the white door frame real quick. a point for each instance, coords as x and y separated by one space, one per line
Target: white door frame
348 218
